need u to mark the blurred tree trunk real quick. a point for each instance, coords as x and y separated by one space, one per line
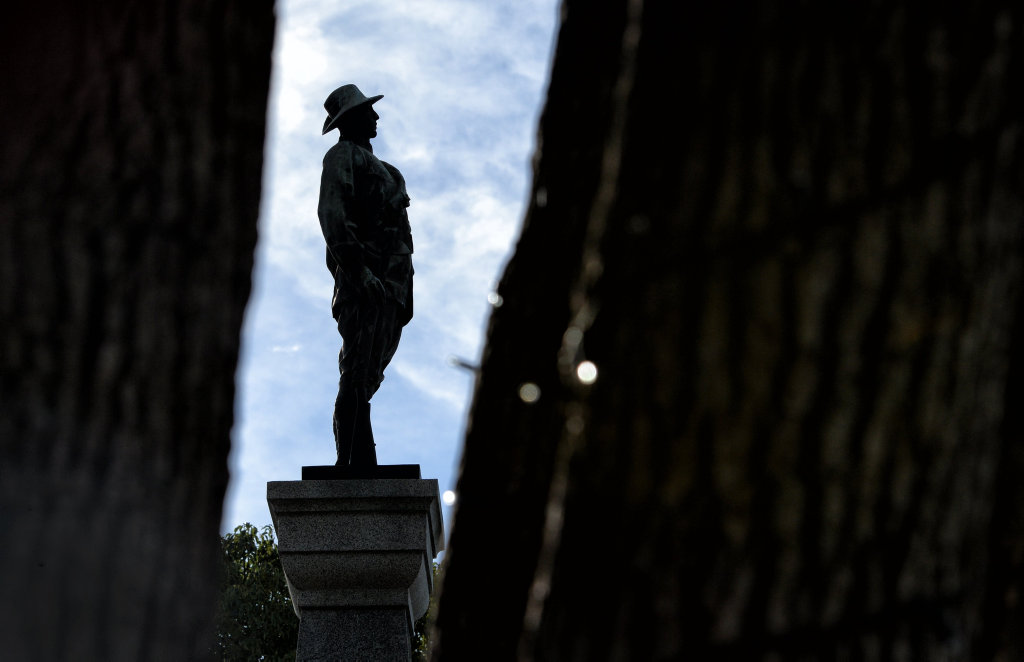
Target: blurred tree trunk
790 238
131 176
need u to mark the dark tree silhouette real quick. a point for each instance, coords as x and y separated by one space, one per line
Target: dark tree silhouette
130 175
789 236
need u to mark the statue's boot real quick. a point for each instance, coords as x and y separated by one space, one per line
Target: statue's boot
364 452
346 412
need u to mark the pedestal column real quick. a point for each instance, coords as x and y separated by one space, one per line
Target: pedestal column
357 554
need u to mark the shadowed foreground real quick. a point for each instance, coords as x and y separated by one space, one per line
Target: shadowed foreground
790 240
130 181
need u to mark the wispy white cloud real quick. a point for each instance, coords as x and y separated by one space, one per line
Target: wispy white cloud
462 82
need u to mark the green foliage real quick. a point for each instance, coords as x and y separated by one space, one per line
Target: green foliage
420 641
255 619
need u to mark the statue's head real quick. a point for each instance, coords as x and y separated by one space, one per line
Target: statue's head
348 108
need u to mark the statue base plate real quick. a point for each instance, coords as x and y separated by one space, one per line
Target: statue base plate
350 472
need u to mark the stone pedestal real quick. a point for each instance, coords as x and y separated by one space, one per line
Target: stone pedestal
357 555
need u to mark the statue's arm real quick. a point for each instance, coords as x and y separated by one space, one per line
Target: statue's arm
338 212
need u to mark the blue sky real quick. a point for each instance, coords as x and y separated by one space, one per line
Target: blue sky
462 81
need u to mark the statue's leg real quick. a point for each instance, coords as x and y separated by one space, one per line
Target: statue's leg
339 406
387 333
379 338
353 434
351 365
364 451
346 412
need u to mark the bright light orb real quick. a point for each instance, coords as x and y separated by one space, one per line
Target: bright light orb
586 372
448 497
529 393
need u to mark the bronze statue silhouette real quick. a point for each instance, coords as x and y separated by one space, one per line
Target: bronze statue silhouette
369 253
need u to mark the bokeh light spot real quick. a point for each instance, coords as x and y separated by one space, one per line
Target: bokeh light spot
586 372
529 392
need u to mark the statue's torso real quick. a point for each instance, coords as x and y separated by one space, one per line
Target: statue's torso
363 204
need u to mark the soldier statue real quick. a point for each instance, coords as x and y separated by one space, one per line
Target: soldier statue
363 216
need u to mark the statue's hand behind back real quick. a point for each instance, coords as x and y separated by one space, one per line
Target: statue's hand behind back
372 286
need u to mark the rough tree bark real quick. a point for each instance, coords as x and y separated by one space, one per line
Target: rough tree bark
790 238
130 177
